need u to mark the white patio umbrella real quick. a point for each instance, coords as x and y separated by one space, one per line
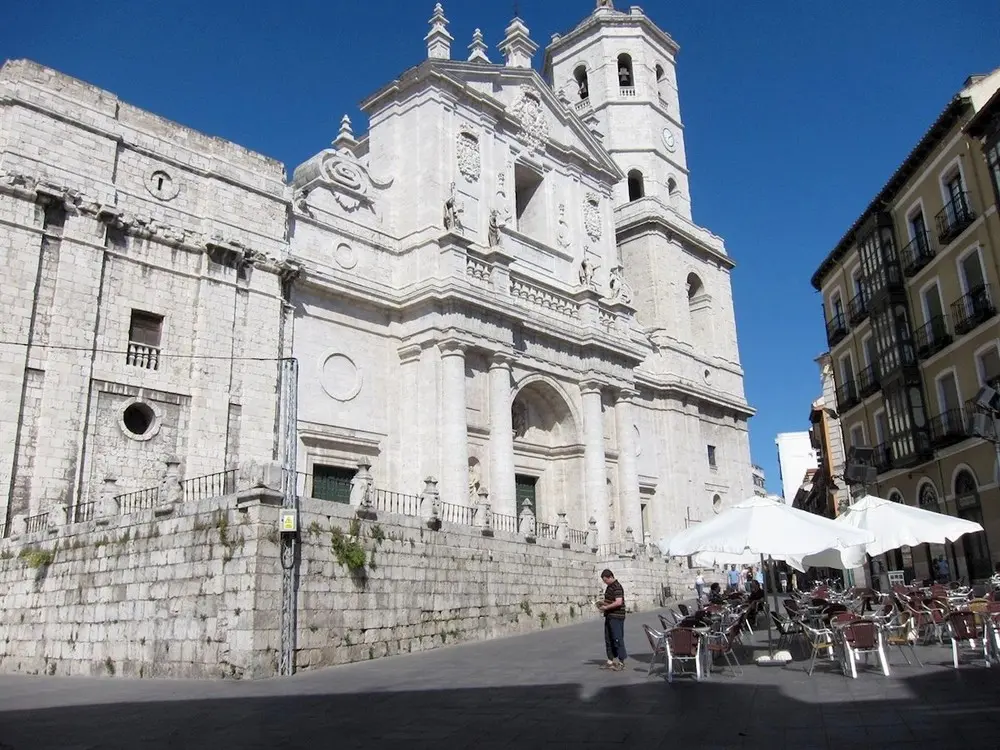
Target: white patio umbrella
892 525
764 526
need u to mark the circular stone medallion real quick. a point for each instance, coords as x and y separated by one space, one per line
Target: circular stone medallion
340 377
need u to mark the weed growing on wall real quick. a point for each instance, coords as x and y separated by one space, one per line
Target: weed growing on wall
36 557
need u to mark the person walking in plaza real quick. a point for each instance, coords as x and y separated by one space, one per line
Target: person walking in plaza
733 579
699 587
613 608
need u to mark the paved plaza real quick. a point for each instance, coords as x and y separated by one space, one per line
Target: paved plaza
538 690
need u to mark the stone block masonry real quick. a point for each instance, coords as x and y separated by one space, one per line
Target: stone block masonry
196 591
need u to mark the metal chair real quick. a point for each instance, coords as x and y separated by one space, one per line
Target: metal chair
683 644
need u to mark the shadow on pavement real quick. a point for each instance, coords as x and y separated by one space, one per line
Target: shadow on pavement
926 708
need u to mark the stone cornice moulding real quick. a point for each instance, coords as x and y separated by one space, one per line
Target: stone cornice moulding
662 387
630 216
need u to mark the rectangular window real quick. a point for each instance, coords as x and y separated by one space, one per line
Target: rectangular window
332 483
529 201
993 162
868 346
857 436
115 238
988 363
144 332
53 218
846 370
973 277
711 457
947 389
836 306
931 298
881 427
917 225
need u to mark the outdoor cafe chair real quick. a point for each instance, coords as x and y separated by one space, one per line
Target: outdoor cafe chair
964 632
725 643
789 630
898 632
820 641
682 644
658 642
862 637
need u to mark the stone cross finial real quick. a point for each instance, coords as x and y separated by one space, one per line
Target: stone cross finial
592 534
438 39
517 46
477 50
526 520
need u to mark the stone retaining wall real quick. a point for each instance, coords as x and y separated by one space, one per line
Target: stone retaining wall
195 591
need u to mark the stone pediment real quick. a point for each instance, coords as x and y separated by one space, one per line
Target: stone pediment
522 102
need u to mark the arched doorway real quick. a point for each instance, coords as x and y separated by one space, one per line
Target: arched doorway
927 499
548 454
974 546
894 557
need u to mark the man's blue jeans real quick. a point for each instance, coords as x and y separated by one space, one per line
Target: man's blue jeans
614 637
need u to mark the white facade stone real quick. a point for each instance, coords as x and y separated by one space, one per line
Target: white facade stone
468 289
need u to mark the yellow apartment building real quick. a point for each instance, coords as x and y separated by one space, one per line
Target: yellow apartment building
910 298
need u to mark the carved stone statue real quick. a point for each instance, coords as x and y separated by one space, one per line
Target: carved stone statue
586 273
452 210
582 88
494 231
302 201
605 4
621 291
519 418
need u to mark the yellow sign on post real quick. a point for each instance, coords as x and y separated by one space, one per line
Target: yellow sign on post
289 522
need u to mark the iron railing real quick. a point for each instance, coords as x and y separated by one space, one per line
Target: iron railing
932 337
949 427
37 522
954 218
836 329
916 254
547 530
132 502
575 536
847 396
397 502
857 308
141 355
868 381
972 309
460 514
85 512
882 458
210 485
504 522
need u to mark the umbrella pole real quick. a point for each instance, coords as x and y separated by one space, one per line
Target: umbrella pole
767 604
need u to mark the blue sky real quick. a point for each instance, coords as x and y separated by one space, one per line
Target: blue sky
795 112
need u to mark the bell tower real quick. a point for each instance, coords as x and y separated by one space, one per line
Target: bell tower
618 69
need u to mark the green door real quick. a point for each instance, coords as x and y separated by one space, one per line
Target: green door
332 483
524 489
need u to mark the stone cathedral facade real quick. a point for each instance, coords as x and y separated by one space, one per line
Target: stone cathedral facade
499 285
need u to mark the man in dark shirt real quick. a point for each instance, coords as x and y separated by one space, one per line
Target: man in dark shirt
613 608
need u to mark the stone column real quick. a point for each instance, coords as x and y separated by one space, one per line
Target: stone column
454 425
628 469
593 459
501 438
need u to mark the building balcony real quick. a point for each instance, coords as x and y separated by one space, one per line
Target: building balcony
143 356
847 396
973 309
836 329
954 218
868 381
857 308
881 458
886 283
627 91
949 427
916 254
932 337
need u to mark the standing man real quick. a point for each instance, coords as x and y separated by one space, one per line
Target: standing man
613 608
733 579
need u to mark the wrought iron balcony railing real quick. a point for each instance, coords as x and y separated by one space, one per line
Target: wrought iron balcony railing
972 309
847 396
949 427
954 218
857 308
916 254
932 337
882 458
868 381
836 329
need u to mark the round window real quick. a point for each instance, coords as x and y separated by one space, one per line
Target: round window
138 419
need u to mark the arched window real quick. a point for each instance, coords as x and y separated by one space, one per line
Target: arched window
927 498
896 497
636 189
582 86
671 186
661 81
966 485
694 287
625 78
